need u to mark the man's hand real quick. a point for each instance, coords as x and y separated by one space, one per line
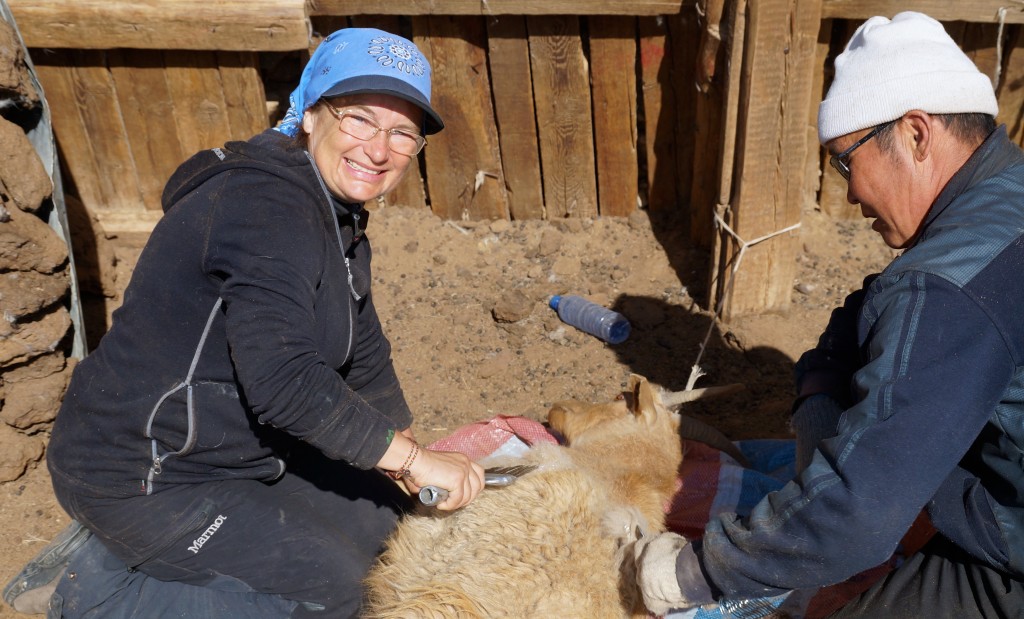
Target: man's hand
655 558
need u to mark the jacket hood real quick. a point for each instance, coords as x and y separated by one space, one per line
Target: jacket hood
270 151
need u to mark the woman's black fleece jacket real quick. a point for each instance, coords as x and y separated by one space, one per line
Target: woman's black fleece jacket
247 252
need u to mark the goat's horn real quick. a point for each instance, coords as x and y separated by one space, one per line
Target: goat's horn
672 399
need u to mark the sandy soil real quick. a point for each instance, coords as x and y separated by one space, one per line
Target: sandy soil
466 310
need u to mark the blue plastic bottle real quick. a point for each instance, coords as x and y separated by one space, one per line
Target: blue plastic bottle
592 318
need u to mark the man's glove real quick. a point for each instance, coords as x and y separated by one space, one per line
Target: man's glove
655 558
816 419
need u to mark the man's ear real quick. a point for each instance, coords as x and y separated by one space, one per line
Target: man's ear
918 130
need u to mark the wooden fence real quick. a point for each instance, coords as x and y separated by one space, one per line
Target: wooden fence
701 109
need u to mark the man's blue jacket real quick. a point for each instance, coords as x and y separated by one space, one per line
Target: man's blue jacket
929 360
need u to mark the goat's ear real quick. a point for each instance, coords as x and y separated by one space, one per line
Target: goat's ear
642 402
557 416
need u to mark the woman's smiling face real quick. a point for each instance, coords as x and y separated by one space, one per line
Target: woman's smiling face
357 170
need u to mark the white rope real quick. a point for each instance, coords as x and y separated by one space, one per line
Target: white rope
999 49
696 371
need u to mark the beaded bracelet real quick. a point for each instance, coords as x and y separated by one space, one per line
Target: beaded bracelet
404 470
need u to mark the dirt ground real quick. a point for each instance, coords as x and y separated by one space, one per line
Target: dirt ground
466 310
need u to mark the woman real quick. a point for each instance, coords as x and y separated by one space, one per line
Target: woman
227 428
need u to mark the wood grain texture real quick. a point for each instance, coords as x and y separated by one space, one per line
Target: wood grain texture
613 80
942 10
1011 86
242 25
495 7
103 123
145 101
464 176
55 70
512 86
659 106
197 97
562 93
771 151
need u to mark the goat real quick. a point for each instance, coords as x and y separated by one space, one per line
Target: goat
556 543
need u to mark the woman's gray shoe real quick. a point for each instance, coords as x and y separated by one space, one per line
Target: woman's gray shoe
29 592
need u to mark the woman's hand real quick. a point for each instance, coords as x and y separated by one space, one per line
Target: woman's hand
450 470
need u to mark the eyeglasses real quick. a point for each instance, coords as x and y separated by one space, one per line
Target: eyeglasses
841 162
362 128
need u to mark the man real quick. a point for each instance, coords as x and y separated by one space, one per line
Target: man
917 385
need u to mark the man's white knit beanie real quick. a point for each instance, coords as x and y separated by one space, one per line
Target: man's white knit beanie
890 67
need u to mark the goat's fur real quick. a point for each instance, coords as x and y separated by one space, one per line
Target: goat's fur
557 542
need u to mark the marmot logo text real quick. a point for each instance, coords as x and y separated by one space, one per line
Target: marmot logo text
207 534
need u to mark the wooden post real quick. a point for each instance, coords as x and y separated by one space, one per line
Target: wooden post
713 147
772 146
723 105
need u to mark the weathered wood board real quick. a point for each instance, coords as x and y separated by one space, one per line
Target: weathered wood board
240 25
562 92
496 7
464 175
613 80
512 86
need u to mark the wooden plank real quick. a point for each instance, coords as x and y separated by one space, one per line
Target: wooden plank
777 71
55 70
726 90
245 101
979 43
495 7
104 126
705 131
324 25
561 82
684 31
1011 86
832 195
464 178
242 25
613 79
148 119
659 114
512 86
942 10
815 152
197 97
411 190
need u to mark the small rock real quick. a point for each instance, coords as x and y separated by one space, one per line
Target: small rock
513 306
550 242
500 225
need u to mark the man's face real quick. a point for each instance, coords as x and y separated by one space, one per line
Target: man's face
888 186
